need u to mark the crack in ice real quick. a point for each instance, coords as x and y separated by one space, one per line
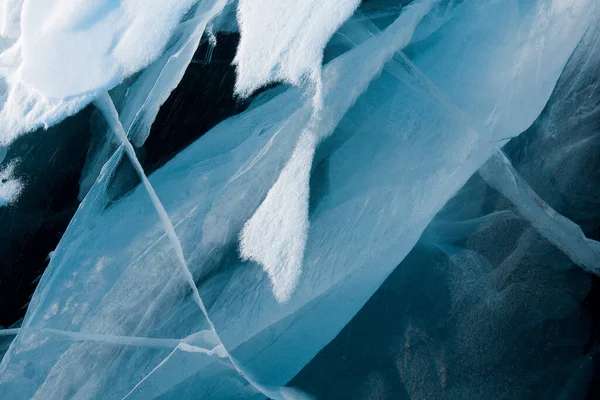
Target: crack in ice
499 173
105 105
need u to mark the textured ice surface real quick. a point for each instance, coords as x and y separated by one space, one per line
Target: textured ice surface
486 306
327 202
105 105
562 232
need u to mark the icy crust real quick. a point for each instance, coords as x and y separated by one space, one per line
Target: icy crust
395 155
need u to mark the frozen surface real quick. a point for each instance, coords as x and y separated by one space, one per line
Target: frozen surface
103 41
228 269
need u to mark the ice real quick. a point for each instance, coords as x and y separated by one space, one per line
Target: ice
110 339
563 172
484 306
276 234
411 109
500 174
104 103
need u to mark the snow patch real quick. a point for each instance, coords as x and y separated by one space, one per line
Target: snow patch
275 236
10 188
72 47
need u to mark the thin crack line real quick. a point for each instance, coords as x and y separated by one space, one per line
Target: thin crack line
105 104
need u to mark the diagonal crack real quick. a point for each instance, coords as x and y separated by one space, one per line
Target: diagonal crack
501 175
105 104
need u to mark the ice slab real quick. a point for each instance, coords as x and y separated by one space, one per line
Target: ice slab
560 231
69 52
71 48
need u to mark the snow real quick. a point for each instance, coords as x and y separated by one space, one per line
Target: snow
276 234
10 11
26 109
65 53
295 51
102 41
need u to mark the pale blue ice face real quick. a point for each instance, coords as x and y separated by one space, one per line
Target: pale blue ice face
225 272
